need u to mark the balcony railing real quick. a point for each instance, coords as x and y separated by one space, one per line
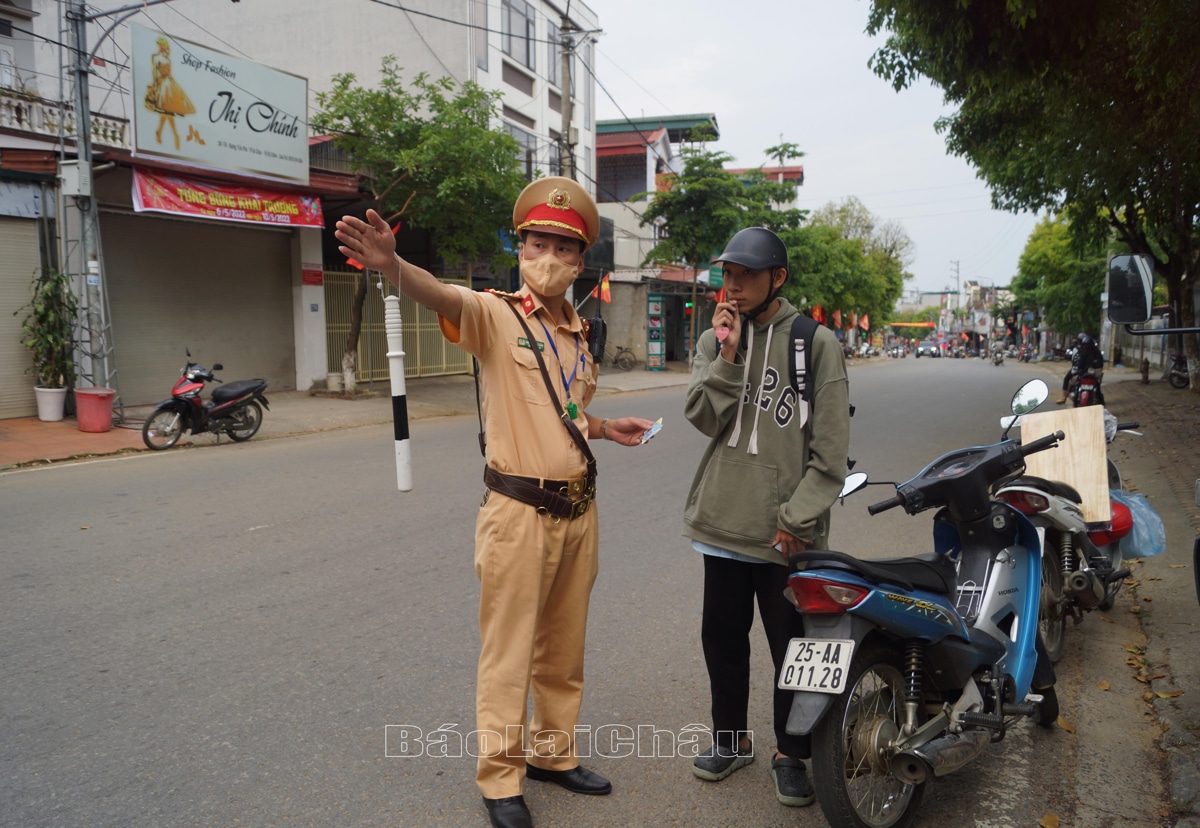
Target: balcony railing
38 116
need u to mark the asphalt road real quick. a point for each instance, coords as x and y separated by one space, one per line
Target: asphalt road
224 636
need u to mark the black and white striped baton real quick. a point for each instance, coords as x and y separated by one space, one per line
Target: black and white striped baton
395 355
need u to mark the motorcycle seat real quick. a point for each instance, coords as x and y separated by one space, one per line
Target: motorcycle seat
931 572
233 390
1054 487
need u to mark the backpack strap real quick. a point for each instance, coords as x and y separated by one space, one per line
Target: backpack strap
804 328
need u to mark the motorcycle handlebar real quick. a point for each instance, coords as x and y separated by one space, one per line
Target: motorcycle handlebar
1042 443
884 505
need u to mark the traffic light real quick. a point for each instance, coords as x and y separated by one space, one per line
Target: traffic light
687 309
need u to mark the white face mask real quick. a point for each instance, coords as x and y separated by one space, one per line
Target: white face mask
547 275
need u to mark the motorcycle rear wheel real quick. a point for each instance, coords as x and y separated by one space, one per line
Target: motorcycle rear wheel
1179 379
162 429
1052 622
850 787
248 419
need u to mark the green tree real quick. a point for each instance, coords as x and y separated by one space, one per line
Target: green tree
1081 103
848 259
429 155
705 205
1055 275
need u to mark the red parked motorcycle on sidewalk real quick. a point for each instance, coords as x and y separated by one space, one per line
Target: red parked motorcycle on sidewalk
234 408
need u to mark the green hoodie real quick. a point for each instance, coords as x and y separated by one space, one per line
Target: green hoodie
770 465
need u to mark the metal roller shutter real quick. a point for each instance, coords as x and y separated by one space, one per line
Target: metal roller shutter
219 288
18 261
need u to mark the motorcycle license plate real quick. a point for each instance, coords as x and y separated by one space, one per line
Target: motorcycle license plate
816 665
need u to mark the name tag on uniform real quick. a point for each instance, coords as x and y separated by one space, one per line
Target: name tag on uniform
524 343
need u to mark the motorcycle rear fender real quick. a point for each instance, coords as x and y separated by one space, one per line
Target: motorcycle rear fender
809 708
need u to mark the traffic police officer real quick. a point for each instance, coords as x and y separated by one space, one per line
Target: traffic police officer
536 533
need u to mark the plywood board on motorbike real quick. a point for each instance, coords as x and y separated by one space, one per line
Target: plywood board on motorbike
1080 458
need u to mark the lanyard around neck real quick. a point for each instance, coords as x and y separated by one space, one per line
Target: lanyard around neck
572 409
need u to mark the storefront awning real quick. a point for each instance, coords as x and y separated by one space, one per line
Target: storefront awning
223 201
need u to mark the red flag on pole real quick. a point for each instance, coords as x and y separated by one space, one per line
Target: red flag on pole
818 314
605 291
837 320
864 323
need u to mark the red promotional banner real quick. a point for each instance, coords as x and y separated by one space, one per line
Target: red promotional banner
160 193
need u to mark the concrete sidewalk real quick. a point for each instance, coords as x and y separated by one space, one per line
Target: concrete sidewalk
29 441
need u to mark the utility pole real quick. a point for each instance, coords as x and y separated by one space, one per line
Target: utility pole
567 148
99 339
85 201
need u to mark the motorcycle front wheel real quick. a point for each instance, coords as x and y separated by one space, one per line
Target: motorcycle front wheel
162 429
247 421
1052 621
854 784
1179 379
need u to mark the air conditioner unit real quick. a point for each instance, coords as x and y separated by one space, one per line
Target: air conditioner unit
574 136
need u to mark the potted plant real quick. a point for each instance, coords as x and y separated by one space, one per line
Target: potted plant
47 333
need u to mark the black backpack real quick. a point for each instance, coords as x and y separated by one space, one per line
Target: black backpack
804 330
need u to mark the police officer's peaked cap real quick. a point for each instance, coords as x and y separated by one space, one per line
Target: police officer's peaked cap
756 248
559 206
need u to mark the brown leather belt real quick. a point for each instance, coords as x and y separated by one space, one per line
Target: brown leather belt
554 497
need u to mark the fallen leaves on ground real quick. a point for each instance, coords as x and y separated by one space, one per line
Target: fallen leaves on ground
1048 821
1106 618
1170 694
1103 685
1065 725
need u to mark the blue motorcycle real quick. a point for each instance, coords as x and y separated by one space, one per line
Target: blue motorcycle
910 667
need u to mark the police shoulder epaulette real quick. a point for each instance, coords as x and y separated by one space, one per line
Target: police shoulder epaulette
503 295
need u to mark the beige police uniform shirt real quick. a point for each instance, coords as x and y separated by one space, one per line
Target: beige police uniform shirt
524 434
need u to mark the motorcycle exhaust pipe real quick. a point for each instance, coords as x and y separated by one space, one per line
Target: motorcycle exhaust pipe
1085 588
940 757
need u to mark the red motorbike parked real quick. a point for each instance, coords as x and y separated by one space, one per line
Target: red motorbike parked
234 408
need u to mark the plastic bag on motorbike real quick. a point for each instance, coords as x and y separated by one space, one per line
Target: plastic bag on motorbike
1148 536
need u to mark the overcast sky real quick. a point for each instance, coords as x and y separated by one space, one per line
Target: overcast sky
799 68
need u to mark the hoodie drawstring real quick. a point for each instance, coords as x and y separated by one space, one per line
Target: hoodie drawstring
737 423
752 448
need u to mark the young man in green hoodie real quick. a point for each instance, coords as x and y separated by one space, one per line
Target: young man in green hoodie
772 470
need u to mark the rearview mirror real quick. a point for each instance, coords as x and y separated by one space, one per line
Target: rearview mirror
1130 289
853 483
1029 396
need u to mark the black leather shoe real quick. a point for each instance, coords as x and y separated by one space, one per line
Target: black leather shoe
578 780
509 812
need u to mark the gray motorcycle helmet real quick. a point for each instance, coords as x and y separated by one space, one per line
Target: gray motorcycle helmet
756 248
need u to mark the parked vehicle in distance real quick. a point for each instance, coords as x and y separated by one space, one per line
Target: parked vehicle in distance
928 348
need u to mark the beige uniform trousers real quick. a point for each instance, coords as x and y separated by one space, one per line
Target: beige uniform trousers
535 575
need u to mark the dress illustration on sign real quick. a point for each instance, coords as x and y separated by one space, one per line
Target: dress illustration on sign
165 96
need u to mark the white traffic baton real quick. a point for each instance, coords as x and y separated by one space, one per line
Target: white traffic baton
395 355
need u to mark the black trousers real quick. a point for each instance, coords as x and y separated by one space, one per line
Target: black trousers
730 590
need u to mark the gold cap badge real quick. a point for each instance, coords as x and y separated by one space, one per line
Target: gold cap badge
559 200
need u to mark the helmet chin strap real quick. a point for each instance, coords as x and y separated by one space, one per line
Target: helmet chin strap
771 297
